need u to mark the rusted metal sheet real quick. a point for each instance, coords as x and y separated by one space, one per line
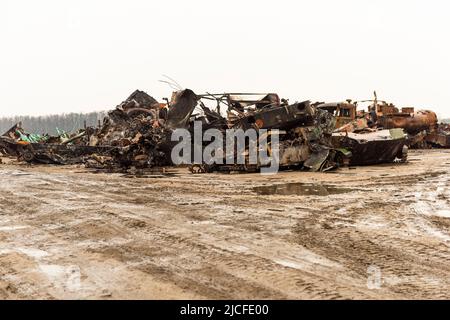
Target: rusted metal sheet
408 110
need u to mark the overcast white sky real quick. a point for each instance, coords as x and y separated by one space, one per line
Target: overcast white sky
87 55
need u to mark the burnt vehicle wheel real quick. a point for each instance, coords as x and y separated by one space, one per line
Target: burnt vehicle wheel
25 153
27 156
404 154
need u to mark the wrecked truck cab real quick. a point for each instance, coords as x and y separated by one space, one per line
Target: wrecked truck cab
345 112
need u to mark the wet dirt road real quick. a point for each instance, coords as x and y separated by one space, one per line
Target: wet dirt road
377 232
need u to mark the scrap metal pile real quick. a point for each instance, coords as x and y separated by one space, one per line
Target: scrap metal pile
305 133
136 132
317 137
421 127
62 149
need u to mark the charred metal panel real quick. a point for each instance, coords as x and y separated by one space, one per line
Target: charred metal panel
59 153
282 117
181 107
373 148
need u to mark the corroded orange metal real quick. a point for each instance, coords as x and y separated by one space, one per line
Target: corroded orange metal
419 121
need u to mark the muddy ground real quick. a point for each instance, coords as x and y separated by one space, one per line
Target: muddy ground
376 232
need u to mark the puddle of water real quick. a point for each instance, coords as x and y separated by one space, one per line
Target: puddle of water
302 189
15 173
19 174
13 228
202 222
52 271
33 253
443 213
289 264
5 251
239 248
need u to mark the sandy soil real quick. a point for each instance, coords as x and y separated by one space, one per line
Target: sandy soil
377 232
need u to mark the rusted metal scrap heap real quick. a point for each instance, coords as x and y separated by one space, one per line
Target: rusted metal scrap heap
140 129
413 123
421 127
360 135
441 137
130 135
135 131
35 148
305 132
135 134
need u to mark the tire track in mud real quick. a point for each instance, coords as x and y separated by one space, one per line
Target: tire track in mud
398 253
211 236
263 264
259 290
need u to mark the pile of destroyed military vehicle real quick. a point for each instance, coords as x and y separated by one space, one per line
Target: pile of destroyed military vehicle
136 135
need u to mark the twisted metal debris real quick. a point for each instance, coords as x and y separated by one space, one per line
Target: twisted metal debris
318 137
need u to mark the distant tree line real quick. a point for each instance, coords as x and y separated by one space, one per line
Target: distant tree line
70 122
